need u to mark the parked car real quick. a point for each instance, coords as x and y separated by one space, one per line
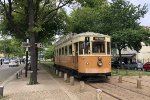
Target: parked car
13 63
116 64
134 65
6 61
146 66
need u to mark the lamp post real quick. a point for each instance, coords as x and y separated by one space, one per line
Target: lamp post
26 67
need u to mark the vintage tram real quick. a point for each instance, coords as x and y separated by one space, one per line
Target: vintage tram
84 54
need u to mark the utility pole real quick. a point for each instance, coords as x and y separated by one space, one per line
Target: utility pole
26 67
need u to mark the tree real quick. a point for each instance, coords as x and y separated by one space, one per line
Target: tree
125 29
89 17
49 52
30 18
11 48
118 19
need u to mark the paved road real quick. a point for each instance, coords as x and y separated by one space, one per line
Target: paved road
6 71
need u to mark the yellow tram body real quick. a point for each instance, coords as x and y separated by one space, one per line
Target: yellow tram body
85 54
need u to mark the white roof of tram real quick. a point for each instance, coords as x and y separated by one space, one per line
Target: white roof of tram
74 35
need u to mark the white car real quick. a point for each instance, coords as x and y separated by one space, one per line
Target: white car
13 63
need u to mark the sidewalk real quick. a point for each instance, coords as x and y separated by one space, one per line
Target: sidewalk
47 89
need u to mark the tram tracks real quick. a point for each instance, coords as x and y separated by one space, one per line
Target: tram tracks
124 80
104 91
119 92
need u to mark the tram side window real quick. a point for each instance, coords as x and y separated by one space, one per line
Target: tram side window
98 47
87 48
55 53
108 47
59 52
70 50
63 51
66 50
81 47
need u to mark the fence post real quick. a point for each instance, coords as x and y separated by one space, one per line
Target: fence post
71 80
139 84
1 90
120 79
82 86
65 76
17 76
126 72
140 75
98 94
56 72
60 74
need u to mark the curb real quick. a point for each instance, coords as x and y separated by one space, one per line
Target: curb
13 76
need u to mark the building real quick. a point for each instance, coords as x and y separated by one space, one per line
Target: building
129 55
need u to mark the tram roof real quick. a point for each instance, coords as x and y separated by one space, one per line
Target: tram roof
74 35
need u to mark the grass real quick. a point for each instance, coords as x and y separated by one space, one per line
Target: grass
49 67
124 72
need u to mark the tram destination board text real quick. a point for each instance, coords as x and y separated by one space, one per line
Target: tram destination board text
99 38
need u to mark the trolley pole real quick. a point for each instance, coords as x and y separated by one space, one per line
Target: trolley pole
26 67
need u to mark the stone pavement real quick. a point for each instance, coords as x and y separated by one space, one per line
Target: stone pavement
47 89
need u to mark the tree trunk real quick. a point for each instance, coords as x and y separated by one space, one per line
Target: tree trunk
120 58
33 78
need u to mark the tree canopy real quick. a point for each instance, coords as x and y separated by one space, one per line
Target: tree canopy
119 19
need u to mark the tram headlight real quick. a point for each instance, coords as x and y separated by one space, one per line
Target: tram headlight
99 63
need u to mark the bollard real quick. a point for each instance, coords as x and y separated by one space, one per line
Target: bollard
117 71
60 74
1 90
82 86
140 75
17 76
120 79
65 77
126 72
21 72
71 80
98 94
56 72
139 84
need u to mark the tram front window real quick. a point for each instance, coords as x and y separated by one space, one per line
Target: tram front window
98 47
84 47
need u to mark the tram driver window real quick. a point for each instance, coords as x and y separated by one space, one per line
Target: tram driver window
81 47
98 47
87 48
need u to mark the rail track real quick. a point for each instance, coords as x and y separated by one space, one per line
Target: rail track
133 82
112 86
112 95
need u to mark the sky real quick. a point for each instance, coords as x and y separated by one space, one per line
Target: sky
146 20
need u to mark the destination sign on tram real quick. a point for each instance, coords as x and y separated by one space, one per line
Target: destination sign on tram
99 38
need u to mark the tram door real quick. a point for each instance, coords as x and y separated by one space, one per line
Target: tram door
76 56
